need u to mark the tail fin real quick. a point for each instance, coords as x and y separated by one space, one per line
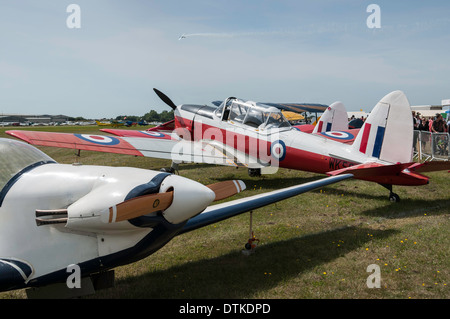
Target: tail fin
387 133
333 119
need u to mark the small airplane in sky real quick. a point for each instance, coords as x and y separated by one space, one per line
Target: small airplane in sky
57 216
257 136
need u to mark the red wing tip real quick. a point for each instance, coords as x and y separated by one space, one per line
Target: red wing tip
19 135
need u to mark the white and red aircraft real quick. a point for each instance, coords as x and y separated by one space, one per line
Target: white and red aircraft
54 216
334 117
257 136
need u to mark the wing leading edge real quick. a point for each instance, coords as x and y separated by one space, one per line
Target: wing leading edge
159 145
88 142
229 209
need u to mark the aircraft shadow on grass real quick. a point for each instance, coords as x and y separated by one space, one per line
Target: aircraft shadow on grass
412 208
234 276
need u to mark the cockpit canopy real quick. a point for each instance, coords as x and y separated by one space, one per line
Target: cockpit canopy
249 113
15 156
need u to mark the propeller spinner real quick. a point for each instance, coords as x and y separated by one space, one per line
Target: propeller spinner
194 198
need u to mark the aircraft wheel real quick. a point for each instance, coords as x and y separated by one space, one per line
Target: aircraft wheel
394 198
254 172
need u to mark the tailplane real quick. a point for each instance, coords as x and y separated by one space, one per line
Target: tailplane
387 134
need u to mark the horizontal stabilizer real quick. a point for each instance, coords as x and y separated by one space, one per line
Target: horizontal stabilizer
371 170
430 167
391 174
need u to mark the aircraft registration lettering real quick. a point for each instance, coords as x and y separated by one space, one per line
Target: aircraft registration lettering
336 164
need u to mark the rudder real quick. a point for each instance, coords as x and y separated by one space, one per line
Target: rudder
333 119
387 134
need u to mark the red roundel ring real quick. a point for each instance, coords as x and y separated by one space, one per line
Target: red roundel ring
153 134
98 139
339 135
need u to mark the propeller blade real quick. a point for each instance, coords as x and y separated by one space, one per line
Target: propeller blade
227 188
165 99
139 206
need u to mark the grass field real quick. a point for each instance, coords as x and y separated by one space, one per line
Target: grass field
315 245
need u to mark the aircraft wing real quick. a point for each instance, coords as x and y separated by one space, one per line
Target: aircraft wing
345 136
164 128
156 146
229 209
300 107
292 107
136 133
86 142
305 128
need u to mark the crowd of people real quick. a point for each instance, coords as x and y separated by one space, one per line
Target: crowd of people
434 125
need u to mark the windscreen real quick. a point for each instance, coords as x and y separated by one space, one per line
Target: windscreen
15 156
276 120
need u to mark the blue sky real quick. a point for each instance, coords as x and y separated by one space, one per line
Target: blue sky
272 51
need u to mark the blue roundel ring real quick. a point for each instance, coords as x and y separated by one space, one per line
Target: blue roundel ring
278 150
98 139
153 134
346 136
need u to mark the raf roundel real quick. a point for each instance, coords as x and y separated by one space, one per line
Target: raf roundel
339 135
153 134
98 139
278 150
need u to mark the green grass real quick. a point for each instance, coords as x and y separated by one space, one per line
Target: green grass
315 245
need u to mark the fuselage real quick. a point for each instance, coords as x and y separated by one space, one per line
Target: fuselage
55 215
51 187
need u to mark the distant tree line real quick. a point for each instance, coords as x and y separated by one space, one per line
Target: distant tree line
151 116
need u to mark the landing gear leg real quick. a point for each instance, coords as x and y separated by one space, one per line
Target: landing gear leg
393 197
252 242
172 169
